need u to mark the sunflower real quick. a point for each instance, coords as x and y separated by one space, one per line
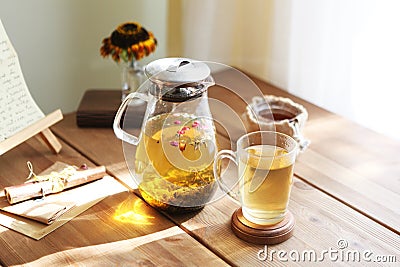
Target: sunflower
127 42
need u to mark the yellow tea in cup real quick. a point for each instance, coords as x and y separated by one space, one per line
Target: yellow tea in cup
265 161
265 183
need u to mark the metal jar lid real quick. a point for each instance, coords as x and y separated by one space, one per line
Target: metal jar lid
179 79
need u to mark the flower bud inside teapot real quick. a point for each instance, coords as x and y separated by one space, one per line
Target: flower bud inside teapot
173 161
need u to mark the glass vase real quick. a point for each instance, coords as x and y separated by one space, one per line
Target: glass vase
132 77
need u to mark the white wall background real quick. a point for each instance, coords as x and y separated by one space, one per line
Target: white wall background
58 43
342 55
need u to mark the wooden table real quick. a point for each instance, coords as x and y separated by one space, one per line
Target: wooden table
346 192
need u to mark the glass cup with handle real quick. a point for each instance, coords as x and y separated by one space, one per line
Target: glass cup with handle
265 161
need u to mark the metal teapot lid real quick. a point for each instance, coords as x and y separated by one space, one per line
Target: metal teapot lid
179 79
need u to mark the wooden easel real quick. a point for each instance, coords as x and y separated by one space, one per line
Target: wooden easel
16 99
40 127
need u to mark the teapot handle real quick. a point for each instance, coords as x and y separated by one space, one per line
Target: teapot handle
119 132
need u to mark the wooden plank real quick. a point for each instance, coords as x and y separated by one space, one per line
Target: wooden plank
233 88
121 229
356 165
353 164
112 148
321 220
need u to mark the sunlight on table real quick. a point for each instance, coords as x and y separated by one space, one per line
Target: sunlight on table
133 211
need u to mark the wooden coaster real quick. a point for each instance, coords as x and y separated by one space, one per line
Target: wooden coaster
262 234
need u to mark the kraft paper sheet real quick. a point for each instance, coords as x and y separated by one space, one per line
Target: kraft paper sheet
55 209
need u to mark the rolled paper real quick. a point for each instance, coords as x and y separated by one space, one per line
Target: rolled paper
56 184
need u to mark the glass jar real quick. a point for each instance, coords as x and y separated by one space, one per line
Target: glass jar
132 77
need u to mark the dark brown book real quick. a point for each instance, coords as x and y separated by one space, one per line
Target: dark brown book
98 108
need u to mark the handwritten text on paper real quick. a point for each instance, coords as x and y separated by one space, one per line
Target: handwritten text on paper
17 107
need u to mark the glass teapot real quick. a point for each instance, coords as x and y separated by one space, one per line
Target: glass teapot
175 149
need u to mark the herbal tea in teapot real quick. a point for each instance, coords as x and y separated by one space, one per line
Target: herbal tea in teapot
174 159
176 148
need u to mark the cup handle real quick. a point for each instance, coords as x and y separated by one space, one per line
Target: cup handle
298 136
229 154
121 134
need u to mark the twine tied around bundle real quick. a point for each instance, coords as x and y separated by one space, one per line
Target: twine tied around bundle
58 180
